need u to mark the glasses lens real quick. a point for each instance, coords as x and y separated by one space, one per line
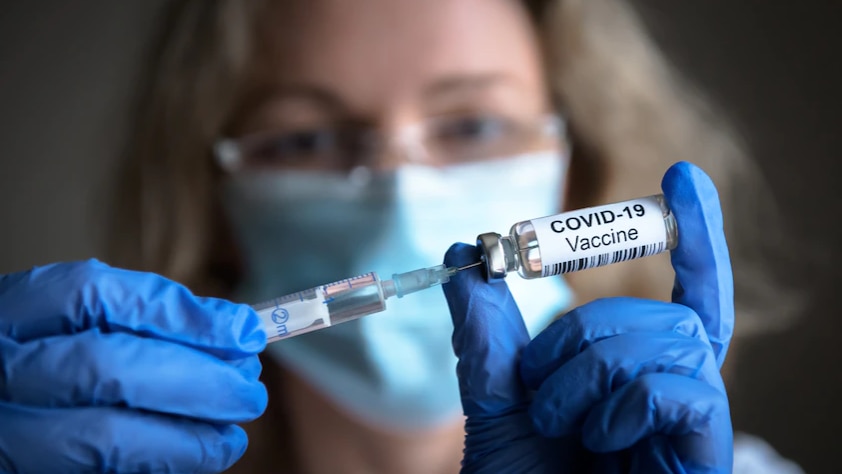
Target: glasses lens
326 148
482 137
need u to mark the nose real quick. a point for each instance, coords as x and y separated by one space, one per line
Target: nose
404 145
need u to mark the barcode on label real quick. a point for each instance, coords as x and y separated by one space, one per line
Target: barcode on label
603 259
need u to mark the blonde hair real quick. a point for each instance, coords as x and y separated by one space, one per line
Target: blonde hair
630 118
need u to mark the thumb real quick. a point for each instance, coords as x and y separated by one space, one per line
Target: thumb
703 279
488 335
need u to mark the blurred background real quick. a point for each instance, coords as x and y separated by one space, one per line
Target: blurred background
68 72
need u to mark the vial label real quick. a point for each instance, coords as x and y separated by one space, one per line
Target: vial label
600 235
294 314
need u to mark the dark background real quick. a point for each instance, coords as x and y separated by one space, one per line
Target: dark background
68 69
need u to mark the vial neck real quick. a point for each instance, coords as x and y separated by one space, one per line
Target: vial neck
510 254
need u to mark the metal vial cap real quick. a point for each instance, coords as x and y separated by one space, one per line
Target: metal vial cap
498 254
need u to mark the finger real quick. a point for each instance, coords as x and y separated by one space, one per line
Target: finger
113 440
96 369
488 334
703 279
568 336
249 366
67 298
564 399
692 413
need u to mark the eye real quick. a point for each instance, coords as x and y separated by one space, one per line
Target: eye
294 148
472 129
471 138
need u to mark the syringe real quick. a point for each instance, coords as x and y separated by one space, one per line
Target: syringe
344 300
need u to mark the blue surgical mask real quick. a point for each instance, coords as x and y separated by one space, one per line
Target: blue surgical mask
396 369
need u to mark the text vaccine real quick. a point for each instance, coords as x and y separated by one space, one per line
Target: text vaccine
580 239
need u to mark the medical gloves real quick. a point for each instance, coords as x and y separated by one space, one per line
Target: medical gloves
617 385
108 370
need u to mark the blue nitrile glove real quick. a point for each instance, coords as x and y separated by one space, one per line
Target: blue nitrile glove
617 385
108 370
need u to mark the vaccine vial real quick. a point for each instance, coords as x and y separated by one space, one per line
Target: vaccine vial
580 239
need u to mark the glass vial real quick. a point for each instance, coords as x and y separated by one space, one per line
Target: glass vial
580 239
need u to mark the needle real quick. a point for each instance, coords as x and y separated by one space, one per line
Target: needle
472 265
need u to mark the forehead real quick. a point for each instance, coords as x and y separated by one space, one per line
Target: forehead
371 51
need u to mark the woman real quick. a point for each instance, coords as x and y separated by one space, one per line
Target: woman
270 133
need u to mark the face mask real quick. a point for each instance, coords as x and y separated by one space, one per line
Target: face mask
396 369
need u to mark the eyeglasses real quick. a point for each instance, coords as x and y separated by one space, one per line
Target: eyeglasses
343 147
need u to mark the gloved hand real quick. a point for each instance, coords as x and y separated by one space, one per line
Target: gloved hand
108 370
616 385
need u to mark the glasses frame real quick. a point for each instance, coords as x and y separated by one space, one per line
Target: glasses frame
229 155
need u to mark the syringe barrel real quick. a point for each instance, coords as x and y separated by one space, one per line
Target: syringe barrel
349 299
321 307
294 314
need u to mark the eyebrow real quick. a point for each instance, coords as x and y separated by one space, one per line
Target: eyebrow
318 95
467 83
457 85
